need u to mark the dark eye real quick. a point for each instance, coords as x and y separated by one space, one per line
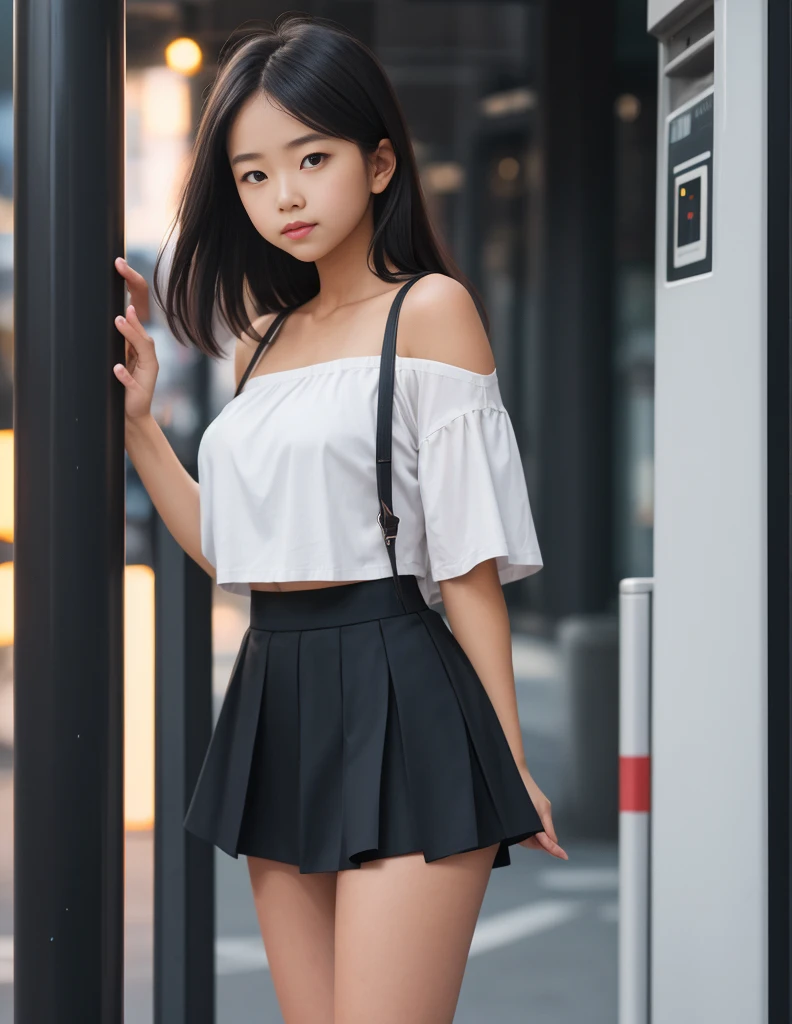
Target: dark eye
311 155
245 176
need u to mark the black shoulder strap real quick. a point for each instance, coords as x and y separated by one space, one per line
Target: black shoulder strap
261 346
389 522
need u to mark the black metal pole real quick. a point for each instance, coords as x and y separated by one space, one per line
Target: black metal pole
184 880
69 512
574 510
184 867
779 508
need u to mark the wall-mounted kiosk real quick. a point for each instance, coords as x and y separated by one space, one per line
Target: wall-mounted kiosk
689 226
719 848
688 92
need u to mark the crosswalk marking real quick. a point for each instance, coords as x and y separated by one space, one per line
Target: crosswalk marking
579 879
513 925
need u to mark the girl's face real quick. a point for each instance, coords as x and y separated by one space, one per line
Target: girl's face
286 172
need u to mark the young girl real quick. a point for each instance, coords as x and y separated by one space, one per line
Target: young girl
367 759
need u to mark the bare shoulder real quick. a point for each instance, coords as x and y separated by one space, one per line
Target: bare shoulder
439 320
246 346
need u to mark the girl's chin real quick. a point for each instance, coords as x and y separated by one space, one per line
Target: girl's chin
304 257
304 253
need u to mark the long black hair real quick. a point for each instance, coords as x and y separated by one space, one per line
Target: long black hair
322 75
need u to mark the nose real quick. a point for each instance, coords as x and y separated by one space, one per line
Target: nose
288 195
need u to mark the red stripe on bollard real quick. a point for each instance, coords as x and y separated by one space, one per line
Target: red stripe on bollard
634 777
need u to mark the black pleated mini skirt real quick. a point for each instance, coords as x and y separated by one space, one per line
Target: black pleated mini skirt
353 729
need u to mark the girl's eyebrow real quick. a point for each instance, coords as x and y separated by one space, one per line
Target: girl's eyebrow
293 144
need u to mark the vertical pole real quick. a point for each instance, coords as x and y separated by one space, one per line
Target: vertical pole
184 881
69 511
779 524
635 632
184 866
576 137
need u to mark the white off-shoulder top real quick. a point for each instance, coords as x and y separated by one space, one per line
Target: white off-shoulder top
288 487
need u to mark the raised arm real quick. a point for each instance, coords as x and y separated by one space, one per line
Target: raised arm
174 493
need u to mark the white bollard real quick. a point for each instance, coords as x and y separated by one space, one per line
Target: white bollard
635 653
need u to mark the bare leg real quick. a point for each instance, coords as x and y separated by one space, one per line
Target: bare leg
296 915
403 933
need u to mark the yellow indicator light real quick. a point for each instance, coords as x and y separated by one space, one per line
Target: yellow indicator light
683 191
183 55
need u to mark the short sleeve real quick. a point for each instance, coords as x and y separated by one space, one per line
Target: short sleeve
473 488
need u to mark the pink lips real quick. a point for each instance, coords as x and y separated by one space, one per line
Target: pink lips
300 232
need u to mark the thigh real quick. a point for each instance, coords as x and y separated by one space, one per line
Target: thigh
402 936
296 915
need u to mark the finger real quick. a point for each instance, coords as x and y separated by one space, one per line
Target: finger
540 841
130 332
129 273
136 335
131 356
125 270
551 845
137 285
124 376
134 319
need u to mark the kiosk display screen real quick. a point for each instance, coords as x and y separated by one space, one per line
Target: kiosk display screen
689 212
689 227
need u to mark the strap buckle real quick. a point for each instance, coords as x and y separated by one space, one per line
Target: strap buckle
389 524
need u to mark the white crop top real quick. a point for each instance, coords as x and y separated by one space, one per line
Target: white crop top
288 487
